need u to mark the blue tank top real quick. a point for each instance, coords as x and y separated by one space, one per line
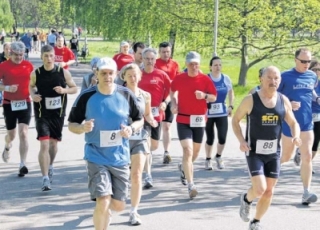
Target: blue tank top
315 105
298 87
218 108
270 121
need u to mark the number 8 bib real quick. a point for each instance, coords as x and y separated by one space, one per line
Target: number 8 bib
266 146
110 138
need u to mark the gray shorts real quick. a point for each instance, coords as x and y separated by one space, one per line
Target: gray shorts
107 180
139 147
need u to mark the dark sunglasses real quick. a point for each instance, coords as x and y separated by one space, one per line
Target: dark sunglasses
316 69
304 61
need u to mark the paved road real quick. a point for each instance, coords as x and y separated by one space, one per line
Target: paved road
23 206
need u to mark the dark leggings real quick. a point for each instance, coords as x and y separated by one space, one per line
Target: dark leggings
222 129
316 131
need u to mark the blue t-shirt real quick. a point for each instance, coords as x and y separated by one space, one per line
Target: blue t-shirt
315 105
104 145
26 41
299 87
223 86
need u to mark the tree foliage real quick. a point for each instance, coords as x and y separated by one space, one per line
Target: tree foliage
6 17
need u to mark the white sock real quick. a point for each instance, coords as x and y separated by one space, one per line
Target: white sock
45 177
50 167
134 209
21 164
306 191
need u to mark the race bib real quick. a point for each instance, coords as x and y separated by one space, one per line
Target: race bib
19 105
53 102
315 117
155 111
197 121
266 146
216 108
136 136
110 138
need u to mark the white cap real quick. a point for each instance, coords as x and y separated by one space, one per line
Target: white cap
193 56
107 63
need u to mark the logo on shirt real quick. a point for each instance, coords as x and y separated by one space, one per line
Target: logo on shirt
269 119
153 81
303 86
58 58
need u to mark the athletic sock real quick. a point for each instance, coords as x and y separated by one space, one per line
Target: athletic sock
50 167
246 200
218 155
306 191
45 177
133 209
208 158
255 221
21 164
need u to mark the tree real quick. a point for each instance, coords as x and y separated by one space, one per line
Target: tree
6 18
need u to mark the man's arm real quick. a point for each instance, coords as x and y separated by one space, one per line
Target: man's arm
72 87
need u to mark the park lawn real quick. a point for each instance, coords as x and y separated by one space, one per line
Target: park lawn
230 65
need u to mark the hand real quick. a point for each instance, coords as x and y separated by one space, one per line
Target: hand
229 112
163 106
94 81
11 88
126 131
62 64
36 98
153 123
295 105
88 126
244 147
59 90
297 141
199 95
174 109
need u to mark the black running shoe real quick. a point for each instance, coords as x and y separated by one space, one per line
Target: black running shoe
23 171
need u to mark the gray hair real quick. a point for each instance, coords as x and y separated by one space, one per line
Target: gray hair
18 47
6 44
147 50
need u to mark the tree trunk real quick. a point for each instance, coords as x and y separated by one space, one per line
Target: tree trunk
244 62
172 40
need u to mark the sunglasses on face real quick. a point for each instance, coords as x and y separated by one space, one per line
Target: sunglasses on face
304 61
316 69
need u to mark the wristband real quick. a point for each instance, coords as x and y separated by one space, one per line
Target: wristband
231 107
206 97
7 88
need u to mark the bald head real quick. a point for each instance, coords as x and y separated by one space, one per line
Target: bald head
271 77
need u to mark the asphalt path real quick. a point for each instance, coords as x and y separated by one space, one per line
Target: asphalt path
67 206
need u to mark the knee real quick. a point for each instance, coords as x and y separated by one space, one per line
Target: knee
209 141
259 191
268 193
23 134
102 204
118 206
166 128
306 158
187 152
136 177
154 145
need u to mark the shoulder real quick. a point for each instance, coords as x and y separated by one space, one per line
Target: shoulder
145 94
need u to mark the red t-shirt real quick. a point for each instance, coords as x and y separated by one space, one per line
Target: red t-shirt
188 104
171 67
157 83
16 74
122 60
63 55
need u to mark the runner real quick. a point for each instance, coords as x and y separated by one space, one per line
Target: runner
48 89
90 79
74 46
137 53
123 57
194 90
265 111
157 83
298 85
131 75
63 55
4 57
218 113
15 77
106 131
258 86
171 68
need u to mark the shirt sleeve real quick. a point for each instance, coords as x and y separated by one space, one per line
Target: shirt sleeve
167 85
228 82
211 89
78 110
135 111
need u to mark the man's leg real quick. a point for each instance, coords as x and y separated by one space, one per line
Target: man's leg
44 161
101 214
53 149
166 140
24 145
287 148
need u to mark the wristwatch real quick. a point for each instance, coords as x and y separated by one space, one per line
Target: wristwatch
133 129
206 97
231 107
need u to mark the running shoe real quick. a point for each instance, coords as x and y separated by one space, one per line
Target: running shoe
23 171
46 186
182 176
148 182
135 219
255 226
244 209
6 155
50 174
193 192
220 163
297 158
166 158
208 165
309 198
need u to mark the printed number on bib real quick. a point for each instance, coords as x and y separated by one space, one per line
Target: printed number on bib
155 111
136 136
197 121
19 105
316 117
53 102
216 108
110 138
266 147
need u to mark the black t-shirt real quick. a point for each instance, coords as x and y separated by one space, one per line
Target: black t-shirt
74 44
35 37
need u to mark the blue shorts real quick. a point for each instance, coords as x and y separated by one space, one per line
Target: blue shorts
303 127
267 165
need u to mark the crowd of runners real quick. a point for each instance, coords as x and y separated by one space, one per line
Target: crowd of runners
129 102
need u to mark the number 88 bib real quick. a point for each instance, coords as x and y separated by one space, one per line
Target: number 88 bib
266 146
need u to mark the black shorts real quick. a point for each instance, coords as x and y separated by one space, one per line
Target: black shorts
187 132
11 117
49 128
168 113
268 165
153 132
